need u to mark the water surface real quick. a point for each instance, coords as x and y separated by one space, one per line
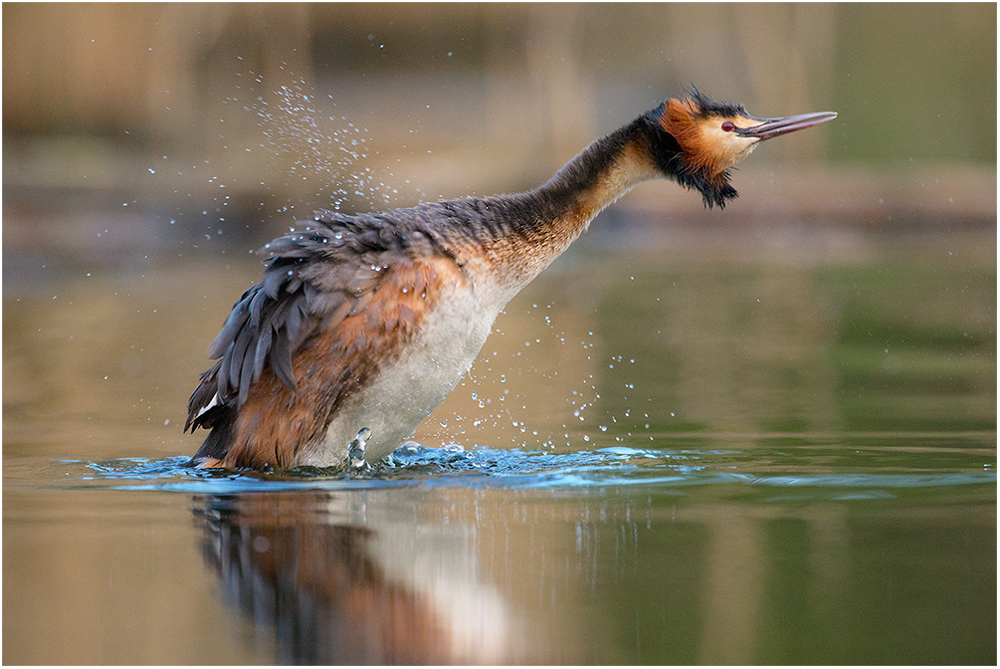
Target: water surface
724 454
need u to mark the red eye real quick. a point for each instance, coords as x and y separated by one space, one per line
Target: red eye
728 127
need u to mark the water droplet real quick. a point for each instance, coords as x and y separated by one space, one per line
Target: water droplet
356 450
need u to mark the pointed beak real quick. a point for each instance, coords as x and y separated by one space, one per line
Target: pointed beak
775 127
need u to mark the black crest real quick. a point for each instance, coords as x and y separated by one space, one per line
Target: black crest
709 107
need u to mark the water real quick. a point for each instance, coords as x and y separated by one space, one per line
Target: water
724 454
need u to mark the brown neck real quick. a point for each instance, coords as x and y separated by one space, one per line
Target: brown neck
534 227
596 177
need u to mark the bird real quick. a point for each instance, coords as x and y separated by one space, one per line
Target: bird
362 324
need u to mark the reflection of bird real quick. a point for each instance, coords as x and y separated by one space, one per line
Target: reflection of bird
316 583
345 578
369 321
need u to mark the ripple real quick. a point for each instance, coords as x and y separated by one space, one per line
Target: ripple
455 466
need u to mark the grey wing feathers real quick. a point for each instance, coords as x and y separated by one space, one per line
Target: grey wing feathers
315 275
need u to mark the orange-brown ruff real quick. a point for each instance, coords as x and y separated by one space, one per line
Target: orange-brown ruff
369 321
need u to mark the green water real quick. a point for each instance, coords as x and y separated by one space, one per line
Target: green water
719 454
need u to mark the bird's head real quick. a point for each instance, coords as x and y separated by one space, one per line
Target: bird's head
699 140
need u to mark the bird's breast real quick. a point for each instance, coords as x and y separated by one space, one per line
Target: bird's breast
412 381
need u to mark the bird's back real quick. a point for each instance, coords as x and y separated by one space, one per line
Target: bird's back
359 321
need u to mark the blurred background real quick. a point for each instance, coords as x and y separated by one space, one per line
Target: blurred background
166 123
147 148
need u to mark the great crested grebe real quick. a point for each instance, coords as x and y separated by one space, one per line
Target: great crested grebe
363 324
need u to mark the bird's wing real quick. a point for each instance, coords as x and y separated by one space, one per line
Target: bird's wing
317 276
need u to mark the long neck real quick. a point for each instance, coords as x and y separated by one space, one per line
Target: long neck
529 230
596 177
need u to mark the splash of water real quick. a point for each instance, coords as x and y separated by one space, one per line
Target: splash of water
617 466
305 142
